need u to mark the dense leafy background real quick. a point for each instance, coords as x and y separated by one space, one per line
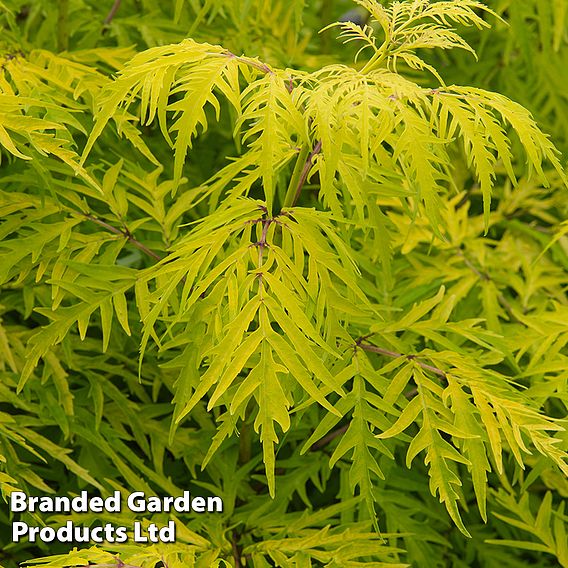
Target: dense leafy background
234 261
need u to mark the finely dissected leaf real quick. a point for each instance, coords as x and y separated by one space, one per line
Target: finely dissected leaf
266 107
440 455
473 448
550 532
272 407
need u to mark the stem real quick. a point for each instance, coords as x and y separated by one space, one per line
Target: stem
376 60
119 564
329 438
326 14
236 549
245 438
293 185
484 276
124 233
62 29
299 176
250 62
387 353
112 12
304 174
245 443
381 53
395 355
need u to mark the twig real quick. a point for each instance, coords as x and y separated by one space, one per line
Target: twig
329 438
124 233
305 171
250 62
62 26
487 278
236 549
395 355
473 268
112 12
290 84
119 564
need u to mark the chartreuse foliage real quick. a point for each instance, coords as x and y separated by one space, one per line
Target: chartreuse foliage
324 280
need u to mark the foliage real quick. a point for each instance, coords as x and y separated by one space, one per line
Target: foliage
325 280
